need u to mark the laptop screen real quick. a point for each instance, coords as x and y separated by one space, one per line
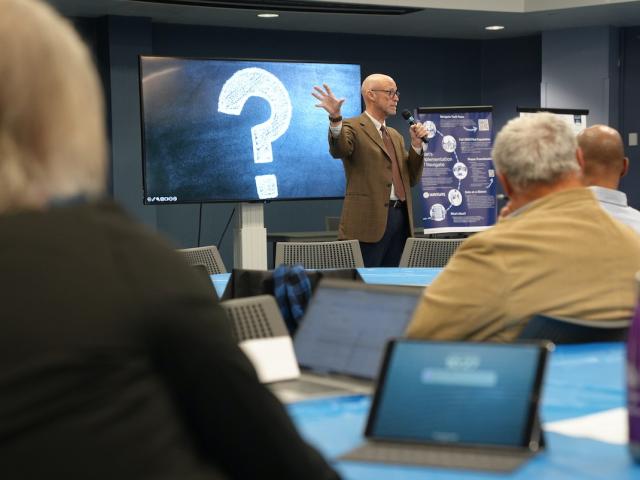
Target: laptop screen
458 393
347 324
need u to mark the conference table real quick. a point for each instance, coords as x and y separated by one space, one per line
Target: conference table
582 412
380 275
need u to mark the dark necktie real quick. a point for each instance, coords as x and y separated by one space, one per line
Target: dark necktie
395 166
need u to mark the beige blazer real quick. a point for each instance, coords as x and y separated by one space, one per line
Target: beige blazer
562 255
367 168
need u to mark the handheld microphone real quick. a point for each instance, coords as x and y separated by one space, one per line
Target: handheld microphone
406 114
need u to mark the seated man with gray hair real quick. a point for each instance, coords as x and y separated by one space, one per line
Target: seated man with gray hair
557 252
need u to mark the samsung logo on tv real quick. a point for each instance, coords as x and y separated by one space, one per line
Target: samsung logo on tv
161 199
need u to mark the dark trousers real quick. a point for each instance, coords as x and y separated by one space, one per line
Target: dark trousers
387 251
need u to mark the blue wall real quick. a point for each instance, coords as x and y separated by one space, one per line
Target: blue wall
577 72
510 76
429 72
630 113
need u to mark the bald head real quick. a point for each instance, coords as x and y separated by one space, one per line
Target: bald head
375 81
603 152
380 96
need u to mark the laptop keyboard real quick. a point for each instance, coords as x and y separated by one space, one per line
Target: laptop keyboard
304 389
338 381
425 455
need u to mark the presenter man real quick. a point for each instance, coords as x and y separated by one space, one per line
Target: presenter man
379 172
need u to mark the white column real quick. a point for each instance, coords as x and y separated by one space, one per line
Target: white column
250 240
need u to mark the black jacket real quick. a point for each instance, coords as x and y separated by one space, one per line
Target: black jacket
115 363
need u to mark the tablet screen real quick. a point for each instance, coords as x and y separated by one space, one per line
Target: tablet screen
458 393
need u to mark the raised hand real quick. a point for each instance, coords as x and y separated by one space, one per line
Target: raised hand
328 100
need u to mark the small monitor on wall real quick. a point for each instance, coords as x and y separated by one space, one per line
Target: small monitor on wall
239 130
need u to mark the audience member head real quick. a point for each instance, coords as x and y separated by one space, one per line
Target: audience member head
52 135
603 152
535 155
380 95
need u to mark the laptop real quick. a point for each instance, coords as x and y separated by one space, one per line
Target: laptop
458 405
345 328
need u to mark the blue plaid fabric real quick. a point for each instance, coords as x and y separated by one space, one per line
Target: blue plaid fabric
292 289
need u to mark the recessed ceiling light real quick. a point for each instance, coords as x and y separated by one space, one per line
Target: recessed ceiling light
494 27
268 15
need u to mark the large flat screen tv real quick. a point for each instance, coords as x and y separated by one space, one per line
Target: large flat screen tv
239 130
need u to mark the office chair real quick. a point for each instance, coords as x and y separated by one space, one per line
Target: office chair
428 252
207 256
257 325
255 317
320 255
563 330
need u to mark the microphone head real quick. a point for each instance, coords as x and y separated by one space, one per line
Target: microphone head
406 114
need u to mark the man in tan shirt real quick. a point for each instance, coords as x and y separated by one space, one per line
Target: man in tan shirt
557 252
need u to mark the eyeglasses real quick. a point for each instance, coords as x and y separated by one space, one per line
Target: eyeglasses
390 93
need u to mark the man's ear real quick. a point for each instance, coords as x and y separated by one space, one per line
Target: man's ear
580 158
625 166
506 185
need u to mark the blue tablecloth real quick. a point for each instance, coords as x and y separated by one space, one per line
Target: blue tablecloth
399 276
386 276
220 281
580 380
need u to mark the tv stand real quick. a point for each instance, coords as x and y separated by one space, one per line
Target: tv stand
250 237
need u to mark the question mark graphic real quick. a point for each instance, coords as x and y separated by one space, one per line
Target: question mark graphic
256 82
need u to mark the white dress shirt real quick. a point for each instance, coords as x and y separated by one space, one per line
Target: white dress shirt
615 203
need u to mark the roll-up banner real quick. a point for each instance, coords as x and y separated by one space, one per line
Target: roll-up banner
458 183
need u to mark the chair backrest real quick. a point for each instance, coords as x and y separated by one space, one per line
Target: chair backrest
331 224
563 330
255 317
257 325
207 256
428 252
320 255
